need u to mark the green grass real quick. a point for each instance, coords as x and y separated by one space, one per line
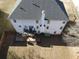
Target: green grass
5 25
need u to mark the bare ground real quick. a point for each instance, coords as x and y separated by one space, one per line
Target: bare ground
18 50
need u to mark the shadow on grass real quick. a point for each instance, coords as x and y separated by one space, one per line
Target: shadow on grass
45 41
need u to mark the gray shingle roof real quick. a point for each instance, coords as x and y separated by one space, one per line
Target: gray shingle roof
31 9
